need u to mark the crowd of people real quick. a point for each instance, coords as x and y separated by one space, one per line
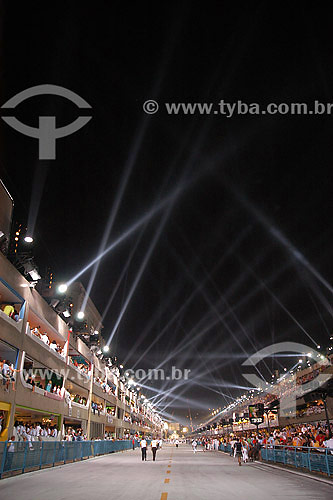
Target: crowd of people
286 384
247 445
82 367
96 407
108 389
77 398
53 345
47 385
34 431
74 434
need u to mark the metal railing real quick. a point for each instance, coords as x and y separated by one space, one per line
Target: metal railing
24 455
305 457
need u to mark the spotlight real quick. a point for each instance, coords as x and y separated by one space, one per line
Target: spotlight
106 348
80 315
300 360
62 288
121 366
318 346
34 274
96 332
28 239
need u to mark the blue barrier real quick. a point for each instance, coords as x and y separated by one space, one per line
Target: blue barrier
300 457
22 455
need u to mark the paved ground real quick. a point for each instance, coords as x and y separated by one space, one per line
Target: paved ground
177 474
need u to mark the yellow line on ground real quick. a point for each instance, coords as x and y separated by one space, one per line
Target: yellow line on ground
164 496
168 471
167 480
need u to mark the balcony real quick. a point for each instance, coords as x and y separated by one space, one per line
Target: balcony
39 341
15 324
10 297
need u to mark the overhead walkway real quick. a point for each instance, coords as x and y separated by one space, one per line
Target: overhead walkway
178 474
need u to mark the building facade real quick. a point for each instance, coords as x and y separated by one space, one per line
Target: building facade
55 378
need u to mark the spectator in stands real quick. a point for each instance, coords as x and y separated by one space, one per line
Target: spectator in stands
36 331
15 315
8 309
6 374
54 346
45 338
12 377
320 438
2 420
10 454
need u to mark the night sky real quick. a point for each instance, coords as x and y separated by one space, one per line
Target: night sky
220 282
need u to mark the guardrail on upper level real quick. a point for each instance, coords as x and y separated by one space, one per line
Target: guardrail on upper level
23 455
305 457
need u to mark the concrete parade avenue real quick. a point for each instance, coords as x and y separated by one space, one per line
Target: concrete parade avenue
177 474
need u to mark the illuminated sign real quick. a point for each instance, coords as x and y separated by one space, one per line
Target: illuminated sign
256 414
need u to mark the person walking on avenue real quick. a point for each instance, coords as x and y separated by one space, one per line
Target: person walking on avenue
238 450
176 443
133 443
194 446
154 448
143 445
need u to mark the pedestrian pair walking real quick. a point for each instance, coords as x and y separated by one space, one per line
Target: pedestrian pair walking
143 445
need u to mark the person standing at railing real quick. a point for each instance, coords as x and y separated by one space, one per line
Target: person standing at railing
270 441
6 374
232 444
10 454
329 444
245 450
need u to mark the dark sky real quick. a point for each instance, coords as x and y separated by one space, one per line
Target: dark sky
220 282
